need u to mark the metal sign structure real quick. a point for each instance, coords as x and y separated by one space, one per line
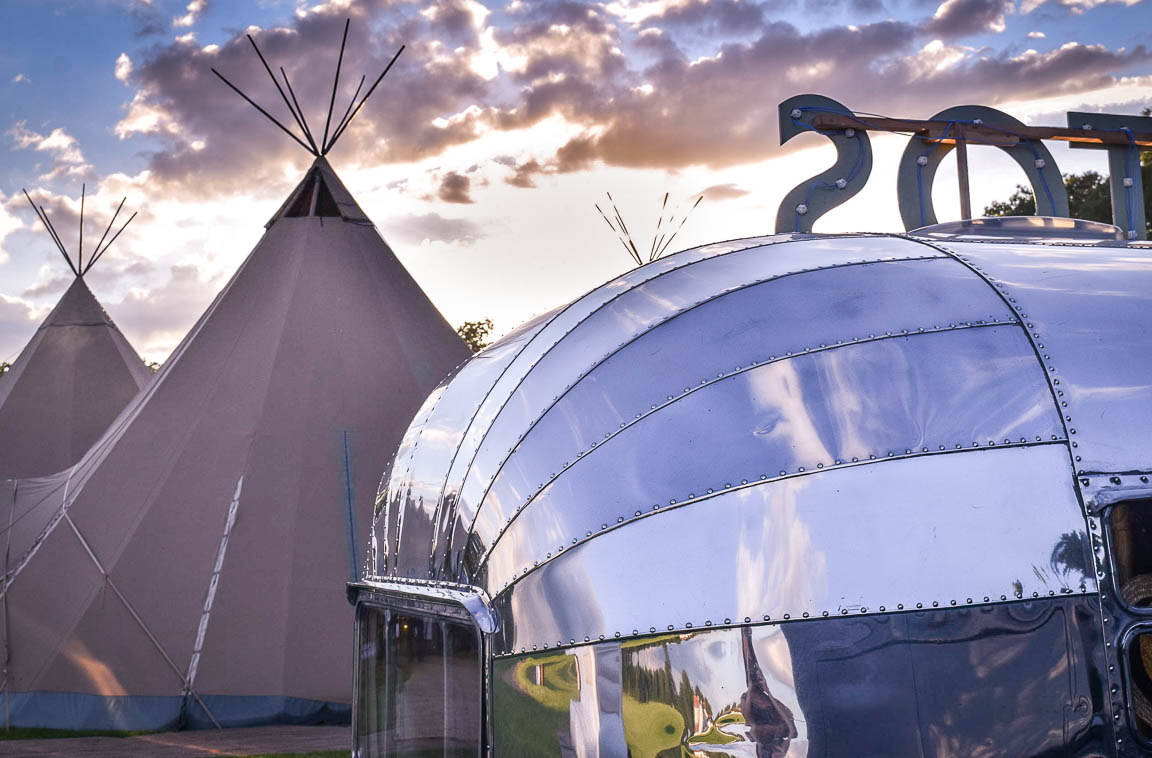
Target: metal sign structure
1124 137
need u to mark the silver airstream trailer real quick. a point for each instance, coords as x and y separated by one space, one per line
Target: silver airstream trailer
798 495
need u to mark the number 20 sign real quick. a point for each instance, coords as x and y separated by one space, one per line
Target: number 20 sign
1122 136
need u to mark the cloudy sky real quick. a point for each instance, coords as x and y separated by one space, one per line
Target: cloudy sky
481 154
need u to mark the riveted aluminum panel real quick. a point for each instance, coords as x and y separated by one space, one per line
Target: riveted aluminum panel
509 360
1012 679
751 326
1091 310
895 396
645 307
437 440
391 501
936 530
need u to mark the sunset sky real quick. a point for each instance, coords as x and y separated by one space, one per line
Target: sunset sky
480 156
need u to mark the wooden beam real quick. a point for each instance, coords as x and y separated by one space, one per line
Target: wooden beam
962 175
948 132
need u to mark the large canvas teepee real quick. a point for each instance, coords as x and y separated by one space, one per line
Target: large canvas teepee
191 568
68 384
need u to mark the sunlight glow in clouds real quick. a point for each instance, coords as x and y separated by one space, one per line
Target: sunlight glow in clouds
481 154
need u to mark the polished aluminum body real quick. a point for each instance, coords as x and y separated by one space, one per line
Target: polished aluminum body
730 486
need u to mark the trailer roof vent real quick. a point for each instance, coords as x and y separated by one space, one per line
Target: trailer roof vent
1024 229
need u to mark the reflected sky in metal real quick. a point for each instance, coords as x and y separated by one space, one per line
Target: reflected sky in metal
441 475
638 310
1091 309
855 540
893 396
439 438
1007 680
479 392
790 315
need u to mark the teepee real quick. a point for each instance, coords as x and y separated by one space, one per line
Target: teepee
72 379
191 569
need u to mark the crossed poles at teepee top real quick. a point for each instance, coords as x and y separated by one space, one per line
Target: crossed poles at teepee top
297 112
78 267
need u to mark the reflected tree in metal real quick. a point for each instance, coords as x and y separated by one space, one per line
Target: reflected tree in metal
795 496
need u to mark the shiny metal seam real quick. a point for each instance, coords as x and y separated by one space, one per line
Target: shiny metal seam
1034 338
1099 495
787 618
692 498
529 341
661 405
1140 472
395 552
1053 382
558 340
580 376
1134 244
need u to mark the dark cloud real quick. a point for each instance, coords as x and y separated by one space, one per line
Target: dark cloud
524 173
146 19
961 18
157 318
634 94
215 142
721 110
434 228
455 188
711 17
17 324
723 192
54 285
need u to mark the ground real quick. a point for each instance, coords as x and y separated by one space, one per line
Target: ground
262 742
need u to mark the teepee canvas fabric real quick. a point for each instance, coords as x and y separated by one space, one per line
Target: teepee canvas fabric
191 568
74 376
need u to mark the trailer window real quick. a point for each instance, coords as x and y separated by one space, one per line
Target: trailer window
419 686
1130 538
1130 531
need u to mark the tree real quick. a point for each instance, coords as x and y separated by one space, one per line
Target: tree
475 333
1089 197
5 367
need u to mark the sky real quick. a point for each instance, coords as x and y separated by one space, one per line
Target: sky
482 153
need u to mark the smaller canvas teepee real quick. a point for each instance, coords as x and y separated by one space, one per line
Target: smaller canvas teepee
71 380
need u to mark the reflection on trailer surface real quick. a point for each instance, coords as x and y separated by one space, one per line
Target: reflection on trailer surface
798 495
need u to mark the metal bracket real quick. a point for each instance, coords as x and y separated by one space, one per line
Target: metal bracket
1123 163
923 155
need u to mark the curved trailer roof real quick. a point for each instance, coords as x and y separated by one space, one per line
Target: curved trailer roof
757 401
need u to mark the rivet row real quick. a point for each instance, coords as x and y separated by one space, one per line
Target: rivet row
655 408
692 497
728 622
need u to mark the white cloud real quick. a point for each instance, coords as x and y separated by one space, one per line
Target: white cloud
145 117
194 8
123 68
1036 35
8 224
67 158
1075 7
20 79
